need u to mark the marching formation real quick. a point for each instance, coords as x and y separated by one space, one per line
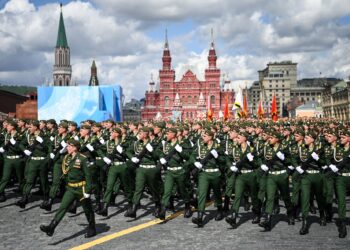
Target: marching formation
251 162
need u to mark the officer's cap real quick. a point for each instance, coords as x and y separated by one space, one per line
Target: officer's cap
160 125
300 132
172 130
209 132
12 123
311 133
116 130
63 125
34 123
51 121
97 125
74 143
72 123
85 127
144 129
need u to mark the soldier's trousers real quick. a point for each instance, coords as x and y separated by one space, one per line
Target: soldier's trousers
309 183
122 173
9 165
277 182
36 168
71 194
243 182
328 187
342 185
56 179
150 177
296 188
205 180
172 178
230 184
261 179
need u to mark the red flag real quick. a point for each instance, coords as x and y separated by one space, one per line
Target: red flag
226 113
274 114
260 110
210 110
245 107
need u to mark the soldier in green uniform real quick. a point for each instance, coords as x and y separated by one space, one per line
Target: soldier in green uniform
144 156
115 158
273 163
205 158
35 147
12 158
78 181
243 166
172 158
311 180
57 152
341 170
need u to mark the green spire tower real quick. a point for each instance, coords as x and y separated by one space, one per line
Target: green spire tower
62 71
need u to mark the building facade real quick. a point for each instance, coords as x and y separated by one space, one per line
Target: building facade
132 111
186 99
62 70
336 101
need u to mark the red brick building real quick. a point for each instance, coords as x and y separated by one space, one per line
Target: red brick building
187 98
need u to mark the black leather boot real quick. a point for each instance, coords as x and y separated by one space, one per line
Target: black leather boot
304 227
171 203
188 211
91 230
103 209
232 219
329 213
312 208
226 203
198 220
22 202
2 197
162 212
342 229
47 205
50 229
256 219
131 211
219 213
156 210
323 221
266 224
98 204
246 203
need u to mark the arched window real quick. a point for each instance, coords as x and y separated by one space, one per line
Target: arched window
166 101
189 99
212 99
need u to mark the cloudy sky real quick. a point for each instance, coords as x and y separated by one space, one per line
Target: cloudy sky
126 38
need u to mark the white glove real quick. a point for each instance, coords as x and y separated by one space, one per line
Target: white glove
218 140
86 196
63 150
135 160
76 138
250 157
280 155
264 167
291 167
90 147
52 155
248 143
52 138
149 147
334 168
2 150
226 152
315 156
178 148
198 165
13 141
300 170
119 149
102 141
234 169
39 139
107 160
27 152
325 167
63 144
214 153
163 161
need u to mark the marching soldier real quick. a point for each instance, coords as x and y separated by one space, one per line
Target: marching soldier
78 179
206 160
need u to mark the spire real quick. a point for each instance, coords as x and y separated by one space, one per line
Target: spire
166 53
166 44
212 54
212 39
93 77
61 37
93 66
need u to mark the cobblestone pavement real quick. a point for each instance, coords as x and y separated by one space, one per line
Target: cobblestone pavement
19 229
